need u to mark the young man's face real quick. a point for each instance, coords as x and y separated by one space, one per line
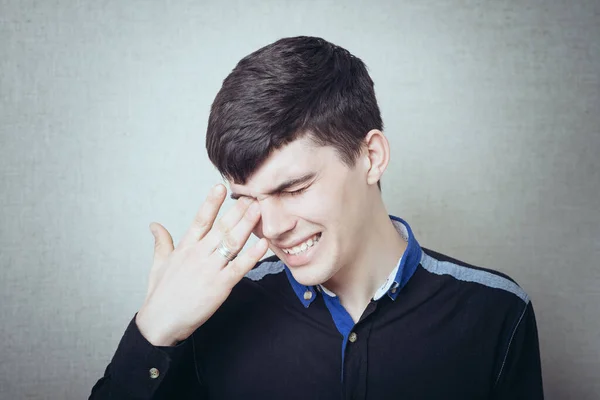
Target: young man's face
313 208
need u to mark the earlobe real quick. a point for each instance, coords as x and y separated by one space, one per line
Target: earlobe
378 154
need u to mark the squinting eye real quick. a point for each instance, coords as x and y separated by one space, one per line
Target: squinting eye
296 192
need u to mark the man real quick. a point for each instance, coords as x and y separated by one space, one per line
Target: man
350 306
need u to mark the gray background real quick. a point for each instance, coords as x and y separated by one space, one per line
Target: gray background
491 108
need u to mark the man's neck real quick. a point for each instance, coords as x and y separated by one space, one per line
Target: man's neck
356 283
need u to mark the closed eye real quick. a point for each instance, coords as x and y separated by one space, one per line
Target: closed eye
296 192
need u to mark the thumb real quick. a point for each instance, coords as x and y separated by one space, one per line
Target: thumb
163 242
163 246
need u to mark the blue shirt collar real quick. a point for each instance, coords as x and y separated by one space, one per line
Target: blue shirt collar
408 265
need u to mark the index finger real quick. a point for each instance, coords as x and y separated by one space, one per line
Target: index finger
204 219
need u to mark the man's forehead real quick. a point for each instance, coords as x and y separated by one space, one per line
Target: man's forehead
289 162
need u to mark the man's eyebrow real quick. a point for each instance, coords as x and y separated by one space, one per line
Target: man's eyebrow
284 185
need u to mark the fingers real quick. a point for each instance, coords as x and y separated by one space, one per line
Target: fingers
163 247
238 236
204 219
226 227
239 267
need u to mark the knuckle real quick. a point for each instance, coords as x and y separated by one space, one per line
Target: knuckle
232 243
222 227
235 270
201 221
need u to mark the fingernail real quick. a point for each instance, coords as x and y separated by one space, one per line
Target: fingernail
247 200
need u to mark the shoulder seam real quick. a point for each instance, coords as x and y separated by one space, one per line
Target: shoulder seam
474 275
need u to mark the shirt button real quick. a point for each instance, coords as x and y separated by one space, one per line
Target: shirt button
353 336
154 373
307 295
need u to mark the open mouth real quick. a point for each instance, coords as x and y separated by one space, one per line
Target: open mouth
304 246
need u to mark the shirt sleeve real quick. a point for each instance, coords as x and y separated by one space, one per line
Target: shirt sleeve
140 370
520 375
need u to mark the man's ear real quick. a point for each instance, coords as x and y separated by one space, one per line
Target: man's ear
377 155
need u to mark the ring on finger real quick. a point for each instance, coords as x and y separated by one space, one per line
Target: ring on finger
226 252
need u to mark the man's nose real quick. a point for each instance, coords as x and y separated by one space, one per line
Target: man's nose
275 220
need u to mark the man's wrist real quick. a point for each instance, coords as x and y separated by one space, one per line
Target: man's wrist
156 338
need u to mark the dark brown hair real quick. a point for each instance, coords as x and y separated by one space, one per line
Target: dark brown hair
281 92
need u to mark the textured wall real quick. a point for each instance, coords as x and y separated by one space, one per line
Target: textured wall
492 110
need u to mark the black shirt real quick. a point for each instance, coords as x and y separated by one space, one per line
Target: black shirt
443 330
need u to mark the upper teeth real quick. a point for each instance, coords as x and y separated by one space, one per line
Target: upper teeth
303 246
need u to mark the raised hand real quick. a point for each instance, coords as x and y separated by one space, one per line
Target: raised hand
189 283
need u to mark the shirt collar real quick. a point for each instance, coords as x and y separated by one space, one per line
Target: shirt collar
407 265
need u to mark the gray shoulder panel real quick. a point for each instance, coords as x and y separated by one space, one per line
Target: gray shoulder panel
467 274
264 269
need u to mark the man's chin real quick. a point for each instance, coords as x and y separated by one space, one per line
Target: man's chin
309 275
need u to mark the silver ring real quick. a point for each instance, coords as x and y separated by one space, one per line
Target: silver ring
225 252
